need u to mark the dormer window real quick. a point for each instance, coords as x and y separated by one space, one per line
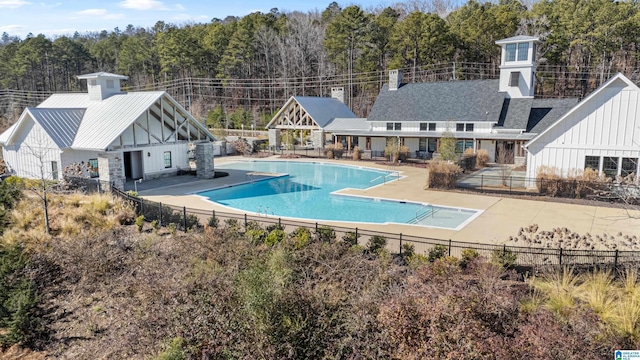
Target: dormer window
523 51
511 52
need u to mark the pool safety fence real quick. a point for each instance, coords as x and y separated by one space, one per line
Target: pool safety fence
524 258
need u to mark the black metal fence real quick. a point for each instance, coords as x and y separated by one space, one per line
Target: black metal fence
80 183
526 258
564 188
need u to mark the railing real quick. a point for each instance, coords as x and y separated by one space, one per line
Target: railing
526 258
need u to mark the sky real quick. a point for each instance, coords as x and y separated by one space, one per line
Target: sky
57 18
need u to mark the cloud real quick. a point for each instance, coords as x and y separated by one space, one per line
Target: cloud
179 7
101 13
190 18
12 29
13 4
143 5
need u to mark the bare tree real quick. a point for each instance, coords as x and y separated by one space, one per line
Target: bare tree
504 158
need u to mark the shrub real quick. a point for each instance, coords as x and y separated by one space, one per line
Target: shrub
416 260
155 224
408 250
482 158
193 222
356 153
213 222
377 243
140 223
504 257
242 146
468 255
173 228
275 236
325 234
351 238
300 237
132 193
437 252
174 351
445 266
442 174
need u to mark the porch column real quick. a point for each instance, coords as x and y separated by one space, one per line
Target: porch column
204 161
110 169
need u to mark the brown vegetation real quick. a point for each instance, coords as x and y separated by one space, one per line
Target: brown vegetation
482 158
442 174
562 237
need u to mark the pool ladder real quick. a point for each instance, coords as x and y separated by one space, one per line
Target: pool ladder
384 177
423 214
264 211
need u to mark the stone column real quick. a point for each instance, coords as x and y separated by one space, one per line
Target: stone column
204 161
317 137
111 170
274 139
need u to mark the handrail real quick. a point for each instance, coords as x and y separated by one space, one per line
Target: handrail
421 215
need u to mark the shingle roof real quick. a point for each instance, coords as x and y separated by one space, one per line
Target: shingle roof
339 124
323 109
515 113
545 112
473 100
60 124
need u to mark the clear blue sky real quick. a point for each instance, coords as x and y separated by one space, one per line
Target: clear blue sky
20 17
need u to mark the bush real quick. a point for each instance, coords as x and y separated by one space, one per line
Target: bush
356 153
351 238
438 251
300 237
275 236
174 351
213 222
504 257
408 250
482 158
325 234
155 224
468 255
446 266
377 243
173 228
442 174
140 223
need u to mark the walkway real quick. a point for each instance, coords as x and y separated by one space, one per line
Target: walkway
501 217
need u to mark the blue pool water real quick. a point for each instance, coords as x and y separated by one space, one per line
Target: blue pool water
307 191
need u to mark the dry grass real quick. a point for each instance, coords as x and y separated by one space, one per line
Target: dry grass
482 158
616 302
442 174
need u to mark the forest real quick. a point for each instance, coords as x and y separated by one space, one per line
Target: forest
240 70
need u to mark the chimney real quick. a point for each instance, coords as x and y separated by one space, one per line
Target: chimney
102 85
395 79
338 93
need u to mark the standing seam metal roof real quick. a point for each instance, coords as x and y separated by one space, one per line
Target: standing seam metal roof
60 124
323 109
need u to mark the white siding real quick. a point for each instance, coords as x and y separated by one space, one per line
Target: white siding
31 152
378 143
153 158
606 125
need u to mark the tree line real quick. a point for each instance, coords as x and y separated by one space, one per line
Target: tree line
253 63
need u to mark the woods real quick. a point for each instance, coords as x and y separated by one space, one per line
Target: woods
254 63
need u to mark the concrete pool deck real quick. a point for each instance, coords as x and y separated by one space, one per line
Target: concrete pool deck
501 217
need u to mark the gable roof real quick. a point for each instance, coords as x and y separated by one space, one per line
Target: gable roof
545 112
321 109
74 121
470 100
617 78
102 74
518 38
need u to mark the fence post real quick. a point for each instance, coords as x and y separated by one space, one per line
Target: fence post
400 243
510 182
279 222
316 228
560 256
481 182
184 218
160 216
356 236
245 220
213 215
615 262
449 247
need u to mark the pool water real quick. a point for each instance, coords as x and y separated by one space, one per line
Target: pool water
308 191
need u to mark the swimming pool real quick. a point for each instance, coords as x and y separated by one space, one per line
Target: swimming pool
308 191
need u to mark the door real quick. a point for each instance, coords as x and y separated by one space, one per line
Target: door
133 165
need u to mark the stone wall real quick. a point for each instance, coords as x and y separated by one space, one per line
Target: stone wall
317 137
204 161
274 139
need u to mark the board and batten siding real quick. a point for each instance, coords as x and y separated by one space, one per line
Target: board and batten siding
32 152
153 158
605 125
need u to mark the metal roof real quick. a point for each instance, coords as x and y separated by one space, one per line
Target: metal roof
102 74
322 110
339 124
4 137
438 134
518 38
60 124
471 100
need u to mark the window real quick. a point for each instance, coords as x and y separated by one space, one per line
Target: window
459 127
629 166
523 51
423 126
397 126
513 80
592 162
459 146
432 126
432 145
389 126
511 52
422 145
110 84
610 166
468 127
468 144
427 126
93 168
167 159
54 170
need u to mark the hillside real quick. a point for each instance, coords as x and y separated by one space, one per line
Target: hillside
226 292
